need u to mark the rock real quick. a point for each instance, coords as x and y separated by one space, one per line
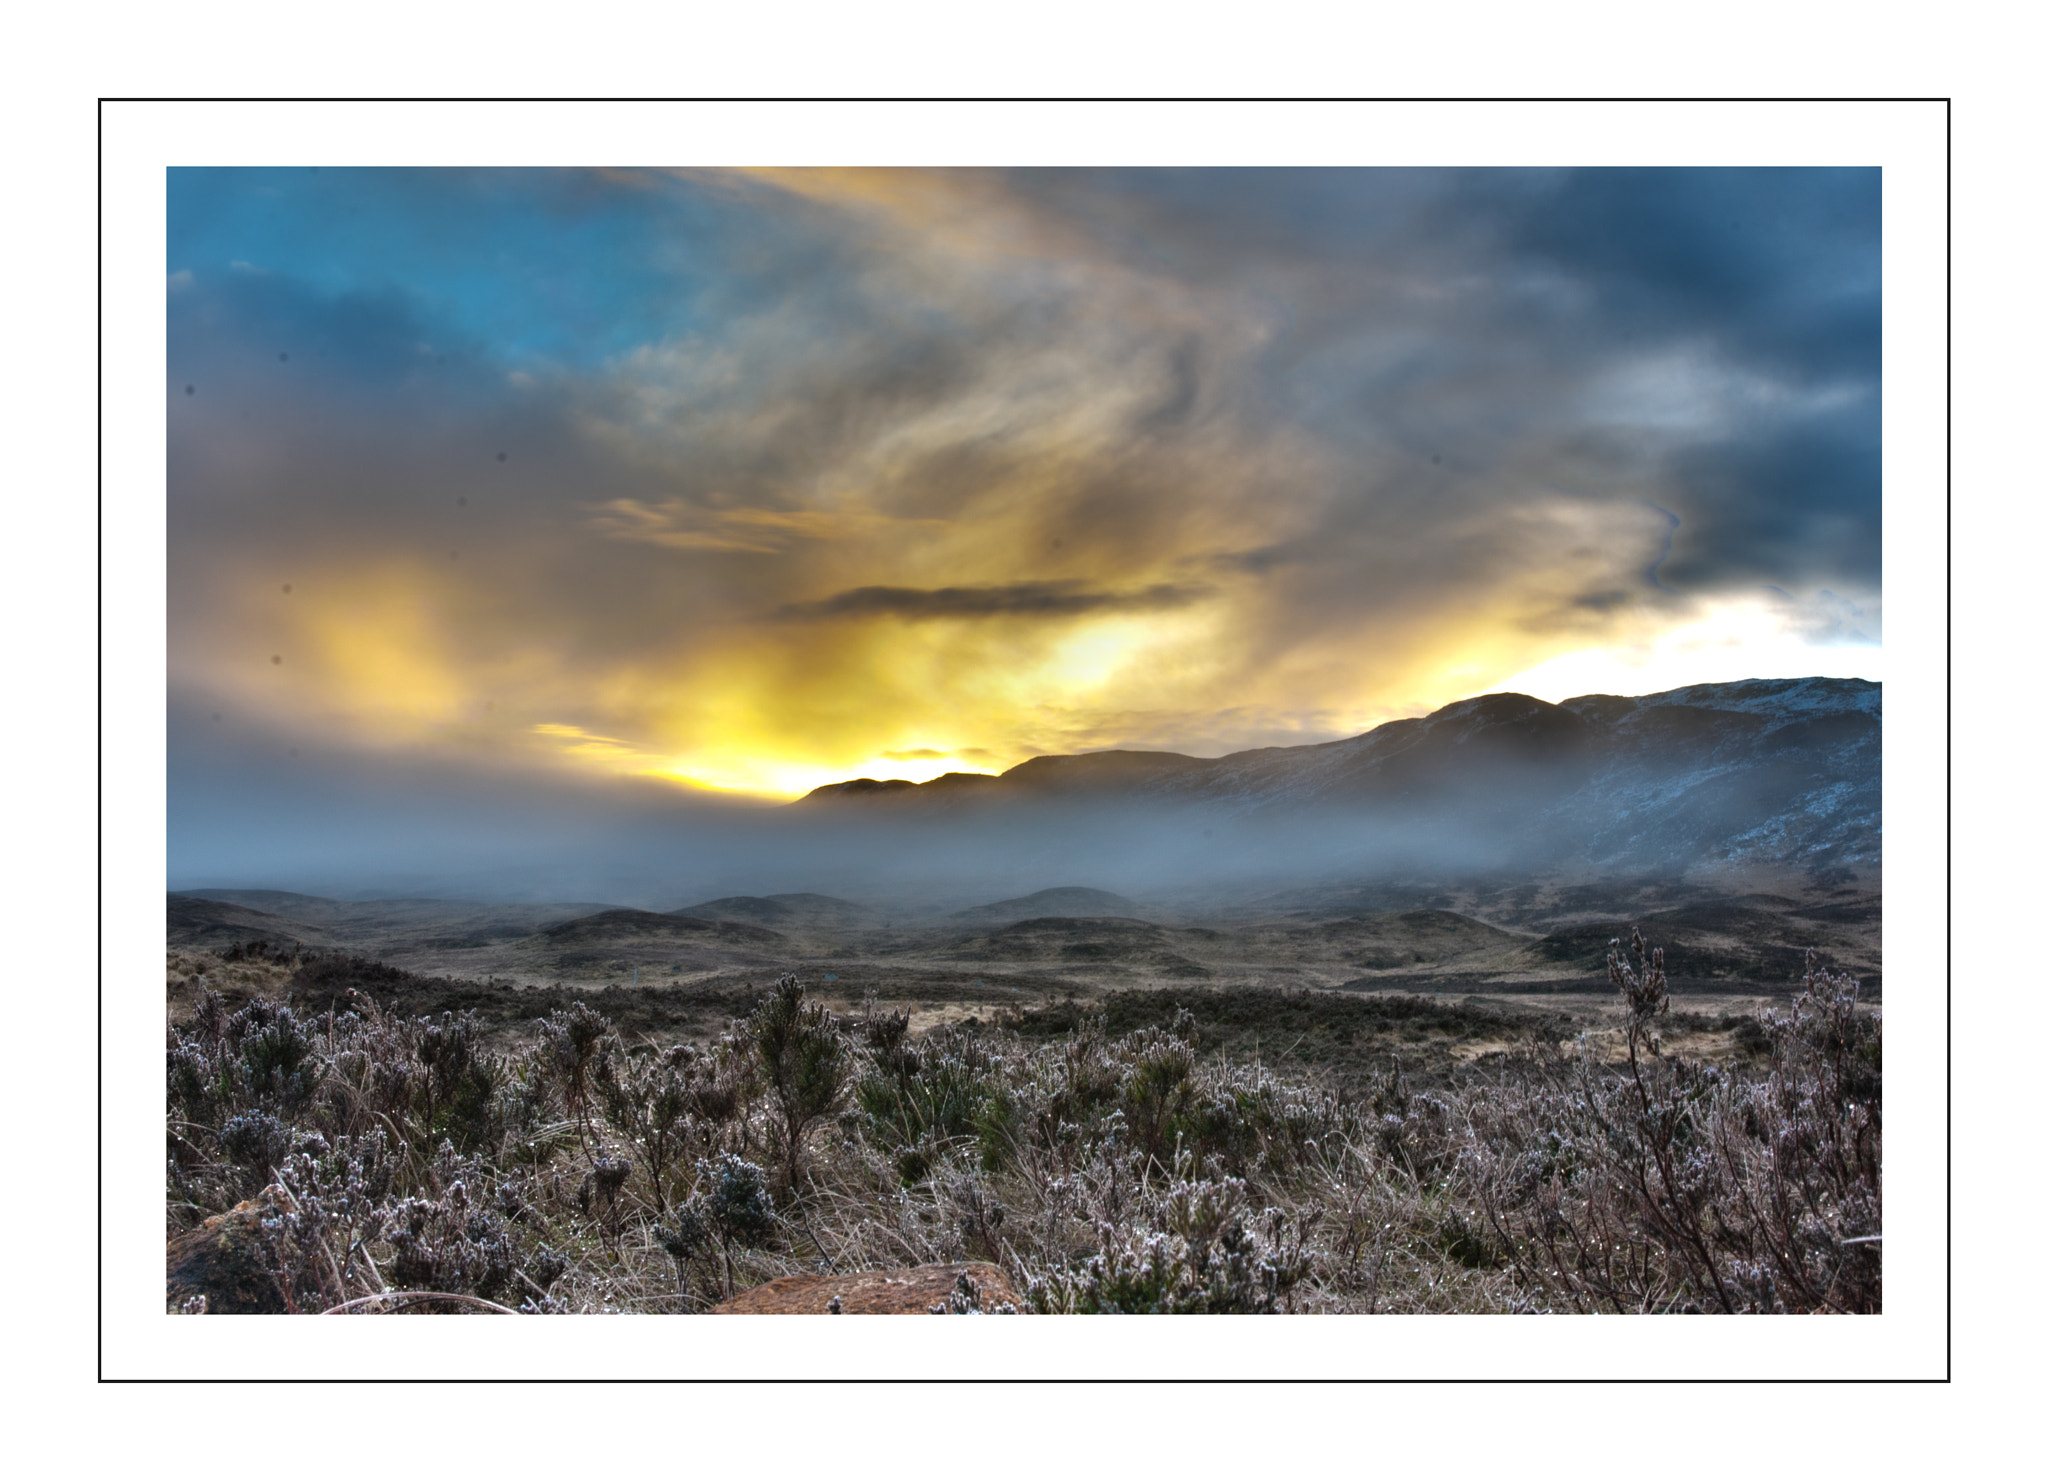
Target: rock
908 1292
231 1261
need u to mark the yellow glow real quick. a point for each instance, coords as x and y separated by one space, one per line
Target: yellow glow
972 413
774 709
406 657
792 779
608 751
711 664
1094 657
378 647
681 526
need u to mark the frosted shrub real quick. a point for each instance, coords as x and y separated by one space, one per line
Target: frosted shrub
1193 1249
806 1064
407 1160
1669 1185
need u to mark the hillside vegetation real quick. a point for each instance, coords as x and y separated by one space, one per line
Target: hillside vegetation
1136 1154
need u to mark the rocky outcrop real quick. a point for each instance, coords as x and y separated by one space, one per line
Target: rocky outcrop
232 1260
952 1289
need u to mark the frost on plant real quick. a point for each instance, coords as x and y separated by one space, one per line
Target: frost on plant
575 1167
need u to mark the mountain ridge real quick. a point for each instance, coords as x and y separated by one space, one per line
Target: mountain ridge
1787 769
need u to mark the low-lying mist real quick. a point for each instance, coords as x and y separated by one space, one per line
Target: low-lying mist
362 835
1757 776
514 848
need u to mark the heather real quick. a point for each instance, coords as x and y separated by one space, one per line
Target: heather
1135 1154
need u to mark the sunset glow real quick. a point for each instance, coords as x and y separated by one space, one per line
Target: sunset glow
747 483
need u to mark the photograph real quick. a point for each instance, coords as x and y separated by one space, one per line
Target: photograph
1024 739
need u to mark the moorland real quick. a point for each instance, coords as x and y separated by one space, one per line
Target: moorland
1411 1108
1613 1084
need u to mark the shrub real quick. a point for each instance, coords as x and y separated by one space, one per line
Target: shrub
572 1043
649 1103
805 1064
1671 1185
1204 1258
1159 1084
1147 1170
733 1203
950 1093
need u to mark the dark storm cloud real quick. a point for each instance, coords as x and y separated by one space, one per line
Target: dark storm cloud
1801 500
1601 601
1019 599
1484 326
1773 277
1439 332
1778 267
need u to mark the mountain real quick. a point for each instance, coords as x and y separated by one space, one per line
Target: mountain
201 917
270 902
955 787
786 912
191 920
1785 770
1070 902
614 926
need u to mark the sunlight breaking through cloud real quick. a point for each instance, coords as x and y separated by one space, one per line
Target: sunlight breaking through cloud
793 476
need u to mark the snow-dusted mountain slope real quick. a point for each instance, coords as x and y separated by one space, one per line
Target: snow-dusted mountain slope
1786 770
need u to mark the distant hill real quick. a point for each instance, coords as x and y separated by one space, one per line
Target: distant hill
620 926
192 920
1070 941
954 785
786 912
276 902
1779 770
1071 902
375 926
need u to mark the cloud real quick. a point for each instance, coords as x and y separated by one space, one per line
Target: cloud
1795 502
1776 269
747 479
1019 599
577 733
681 526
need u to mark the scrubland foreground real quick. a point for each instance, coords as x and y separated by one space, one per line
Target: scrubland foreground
1124 1156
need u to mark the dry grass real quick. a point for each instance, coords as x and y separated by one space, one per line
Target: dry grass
1120 1156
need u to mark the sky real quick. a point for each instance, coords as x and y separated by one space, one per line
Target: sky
590 487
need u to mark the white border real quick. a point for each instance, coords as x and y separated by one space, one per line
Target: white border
1908 141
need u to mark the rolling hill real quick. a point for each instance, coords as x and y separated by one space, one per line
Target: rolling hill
1070 901
1780 770
786 912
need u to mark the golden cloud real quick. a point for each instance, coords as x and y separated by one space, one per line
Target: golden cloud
979 488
